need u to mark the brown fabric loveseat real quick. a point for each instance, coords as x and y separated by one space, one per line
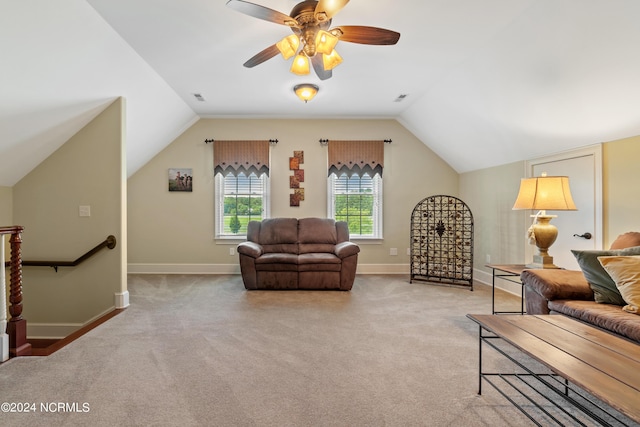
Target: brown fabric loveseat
569 292
290 253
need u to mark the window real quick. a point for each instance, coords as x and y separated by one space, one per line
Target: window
358 201
240 199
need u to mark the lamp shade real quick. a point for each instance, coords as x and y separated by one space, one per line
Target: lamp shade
288 46
325 42
300 65
545 193
329 62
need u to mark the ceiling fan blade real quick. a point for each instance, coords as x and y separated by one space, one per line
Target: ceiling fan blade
318 67
261 12
367 35
329 7
262 56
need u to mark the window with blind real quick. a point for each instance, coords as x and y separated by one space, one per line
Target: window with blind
241 170
240 199
355 186
358 201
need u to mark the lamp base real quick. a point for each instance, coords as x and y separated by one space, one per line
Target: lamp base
544 234
542 261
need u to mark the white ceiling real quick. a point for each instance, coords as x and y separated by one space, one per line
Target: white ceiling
488 81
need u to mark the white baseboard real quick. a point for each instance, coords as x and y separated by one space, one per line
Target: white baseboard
4 347
478 275
235 269
183 268
486 278
58 330
121 299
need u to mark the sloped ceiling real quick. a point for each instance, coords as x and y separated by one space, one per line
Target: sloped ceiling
487 82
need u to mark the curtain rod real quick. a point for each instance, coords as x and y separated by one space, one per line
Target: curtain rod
326 141
271 141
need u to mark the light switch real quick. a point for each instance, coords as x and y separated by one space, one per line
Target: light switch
85 210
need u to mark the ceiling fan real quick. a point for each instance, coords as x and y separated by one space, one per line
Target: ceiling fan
310 22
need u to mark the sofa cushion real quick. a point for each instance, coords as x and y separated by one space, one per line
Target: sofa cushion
279 235
603 286
625 272
277 262
606 316
317 235
277 258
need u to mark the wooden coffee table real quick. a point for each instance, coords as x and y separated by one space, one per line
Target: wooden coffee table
607 367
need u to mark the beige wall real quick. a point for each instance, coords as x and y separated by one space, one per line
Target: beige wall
178 228
621 187
6 212
491 192
86 170
6 206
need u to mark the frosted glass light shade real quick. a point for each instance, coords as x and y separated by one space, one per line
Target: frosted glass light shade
300 65
331 61
325 42
288 46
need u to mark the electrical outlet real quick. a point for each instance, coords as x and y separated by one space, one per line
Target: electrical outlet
84 210
488 259
232 251
408 251
393 251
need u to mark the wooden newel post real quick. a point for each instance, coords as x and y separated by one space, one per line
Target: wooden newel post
17 326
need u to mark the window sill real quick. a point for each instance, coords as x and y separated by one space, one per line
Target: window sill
226 240
367 240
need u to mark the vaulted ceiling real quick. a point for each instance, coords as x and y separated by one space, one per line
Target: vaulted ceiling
487 82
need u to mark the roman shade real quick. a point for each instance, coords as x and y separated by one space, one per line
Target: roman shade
235 157
356 157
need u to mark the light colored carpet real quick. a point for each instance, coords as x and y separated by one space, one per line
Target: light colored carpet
197 350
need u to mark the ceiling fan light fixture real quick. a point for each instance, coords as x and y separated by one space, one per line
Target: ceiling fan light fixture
300 65
306 91
288 46
325 42
331 61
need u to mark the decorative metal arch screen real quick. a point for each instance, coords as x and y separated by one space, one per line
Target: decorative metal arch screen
442 241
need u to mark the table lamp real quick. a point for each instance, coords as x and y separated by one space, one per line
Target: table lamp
544 193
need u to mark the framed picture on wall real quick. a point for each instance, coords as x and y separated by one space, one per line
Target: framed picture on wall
181 179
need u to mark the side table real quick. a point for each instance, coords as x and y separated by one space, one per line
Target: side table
510 273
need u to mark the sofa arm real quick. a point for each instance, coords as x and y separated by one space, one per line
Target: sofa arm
542 286
345 249
252 249
554 284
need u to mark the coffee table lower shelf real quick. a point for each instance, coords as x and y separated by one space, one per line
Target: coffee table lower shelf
565 384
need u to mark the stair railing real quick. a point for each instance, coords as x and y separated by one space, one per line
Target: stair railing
109 242
16 328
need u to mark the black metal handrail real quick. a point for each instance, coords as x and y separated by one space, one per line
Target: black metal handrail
109 242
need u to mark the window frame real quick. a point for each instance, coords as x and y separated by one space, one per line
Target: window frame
219 204
377 213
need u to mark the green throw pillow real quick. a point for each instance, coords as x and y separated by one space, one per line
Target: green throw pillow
603 286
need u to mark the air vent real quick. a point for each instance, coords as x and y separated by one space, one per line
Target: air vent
199 97
401 97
